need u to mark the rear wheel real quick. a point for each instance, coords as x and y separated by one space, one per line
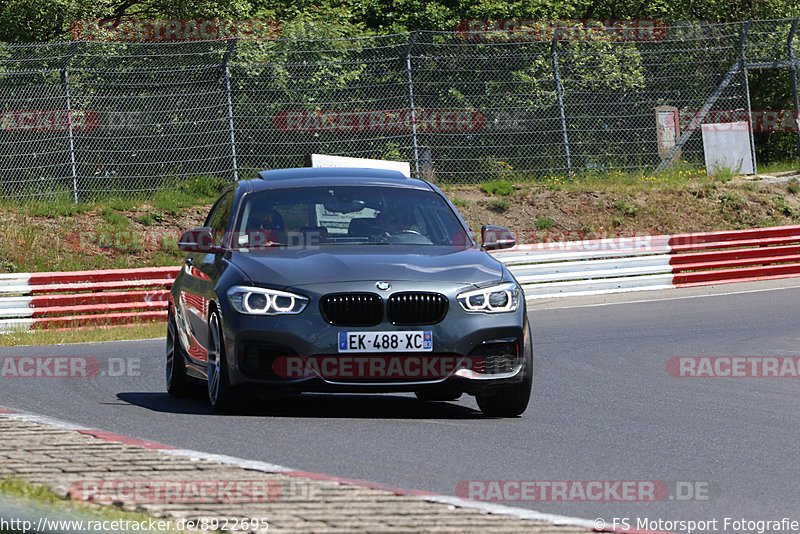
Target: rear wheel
510 401
221 395
178 384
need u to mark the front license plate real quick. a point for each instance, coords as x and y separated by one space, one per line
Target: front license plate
396 341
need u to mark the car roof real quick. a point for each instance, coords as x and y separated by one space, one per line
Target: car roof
324 176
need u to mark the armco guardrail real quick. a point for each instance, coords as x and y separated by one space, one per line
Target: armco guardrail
560 269
67 299
556 269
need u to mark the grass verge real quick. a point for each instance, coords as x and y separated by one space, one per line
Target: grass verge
86 335
104 233
42 500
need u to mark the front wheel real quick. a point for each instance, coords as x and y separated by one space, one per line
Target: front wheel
510 401
221 395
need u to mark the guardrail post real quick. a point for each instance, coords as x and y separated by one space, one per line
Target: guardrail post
73 48
560 98
414 143
795 81
231 132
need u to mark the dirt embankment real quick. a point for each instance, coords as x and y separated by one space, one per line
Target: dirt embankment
540 213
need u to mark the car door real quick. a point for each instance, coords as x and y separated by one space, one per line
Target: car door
203 270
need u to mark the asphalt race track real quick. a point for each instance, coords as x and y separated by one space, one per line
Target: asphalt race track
604 408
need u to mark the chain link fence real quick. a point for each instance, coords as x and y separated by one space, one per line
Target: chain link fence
88 119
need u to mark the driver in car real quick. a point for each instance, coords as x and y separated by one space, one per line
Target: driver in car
394 222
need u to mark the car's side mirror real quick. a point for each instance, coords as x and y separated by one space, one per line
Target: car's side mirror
197 240
497 237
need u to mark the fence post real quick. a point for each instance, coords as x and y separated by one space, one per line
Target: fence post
795 81
560 98
415 145
73 48
743 59
232 134
710 101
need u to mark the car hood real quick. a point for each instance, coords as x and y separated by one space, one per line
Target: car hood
281 267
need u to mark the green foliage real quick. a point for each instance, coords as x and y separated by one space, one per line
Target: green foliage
36 496
170 202
121 204
498 204
781 165
59 206
460 202
496 170
626 209
724 174
544 223
43 20
498 187
115 220
793 187
145 220
203 188
732 201
191 192
779 201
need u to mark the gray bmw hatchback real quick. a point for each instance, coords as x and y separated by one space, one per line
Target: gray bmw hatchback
346 280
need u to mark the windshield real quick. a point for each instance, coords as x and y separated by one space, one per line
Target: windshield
307 216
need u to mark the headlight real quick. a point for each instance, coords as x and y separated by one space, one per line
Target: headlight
259 301
494 299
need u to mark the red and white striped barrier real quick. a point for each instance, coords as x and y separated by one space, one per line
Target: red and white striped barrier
67 299
560 269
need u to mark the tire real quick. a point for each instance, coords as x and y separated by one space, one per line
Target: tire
511 401
178 384
221 395
437 395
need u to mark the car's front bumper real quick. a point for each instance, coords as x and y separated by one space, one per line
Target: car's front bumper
255 343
